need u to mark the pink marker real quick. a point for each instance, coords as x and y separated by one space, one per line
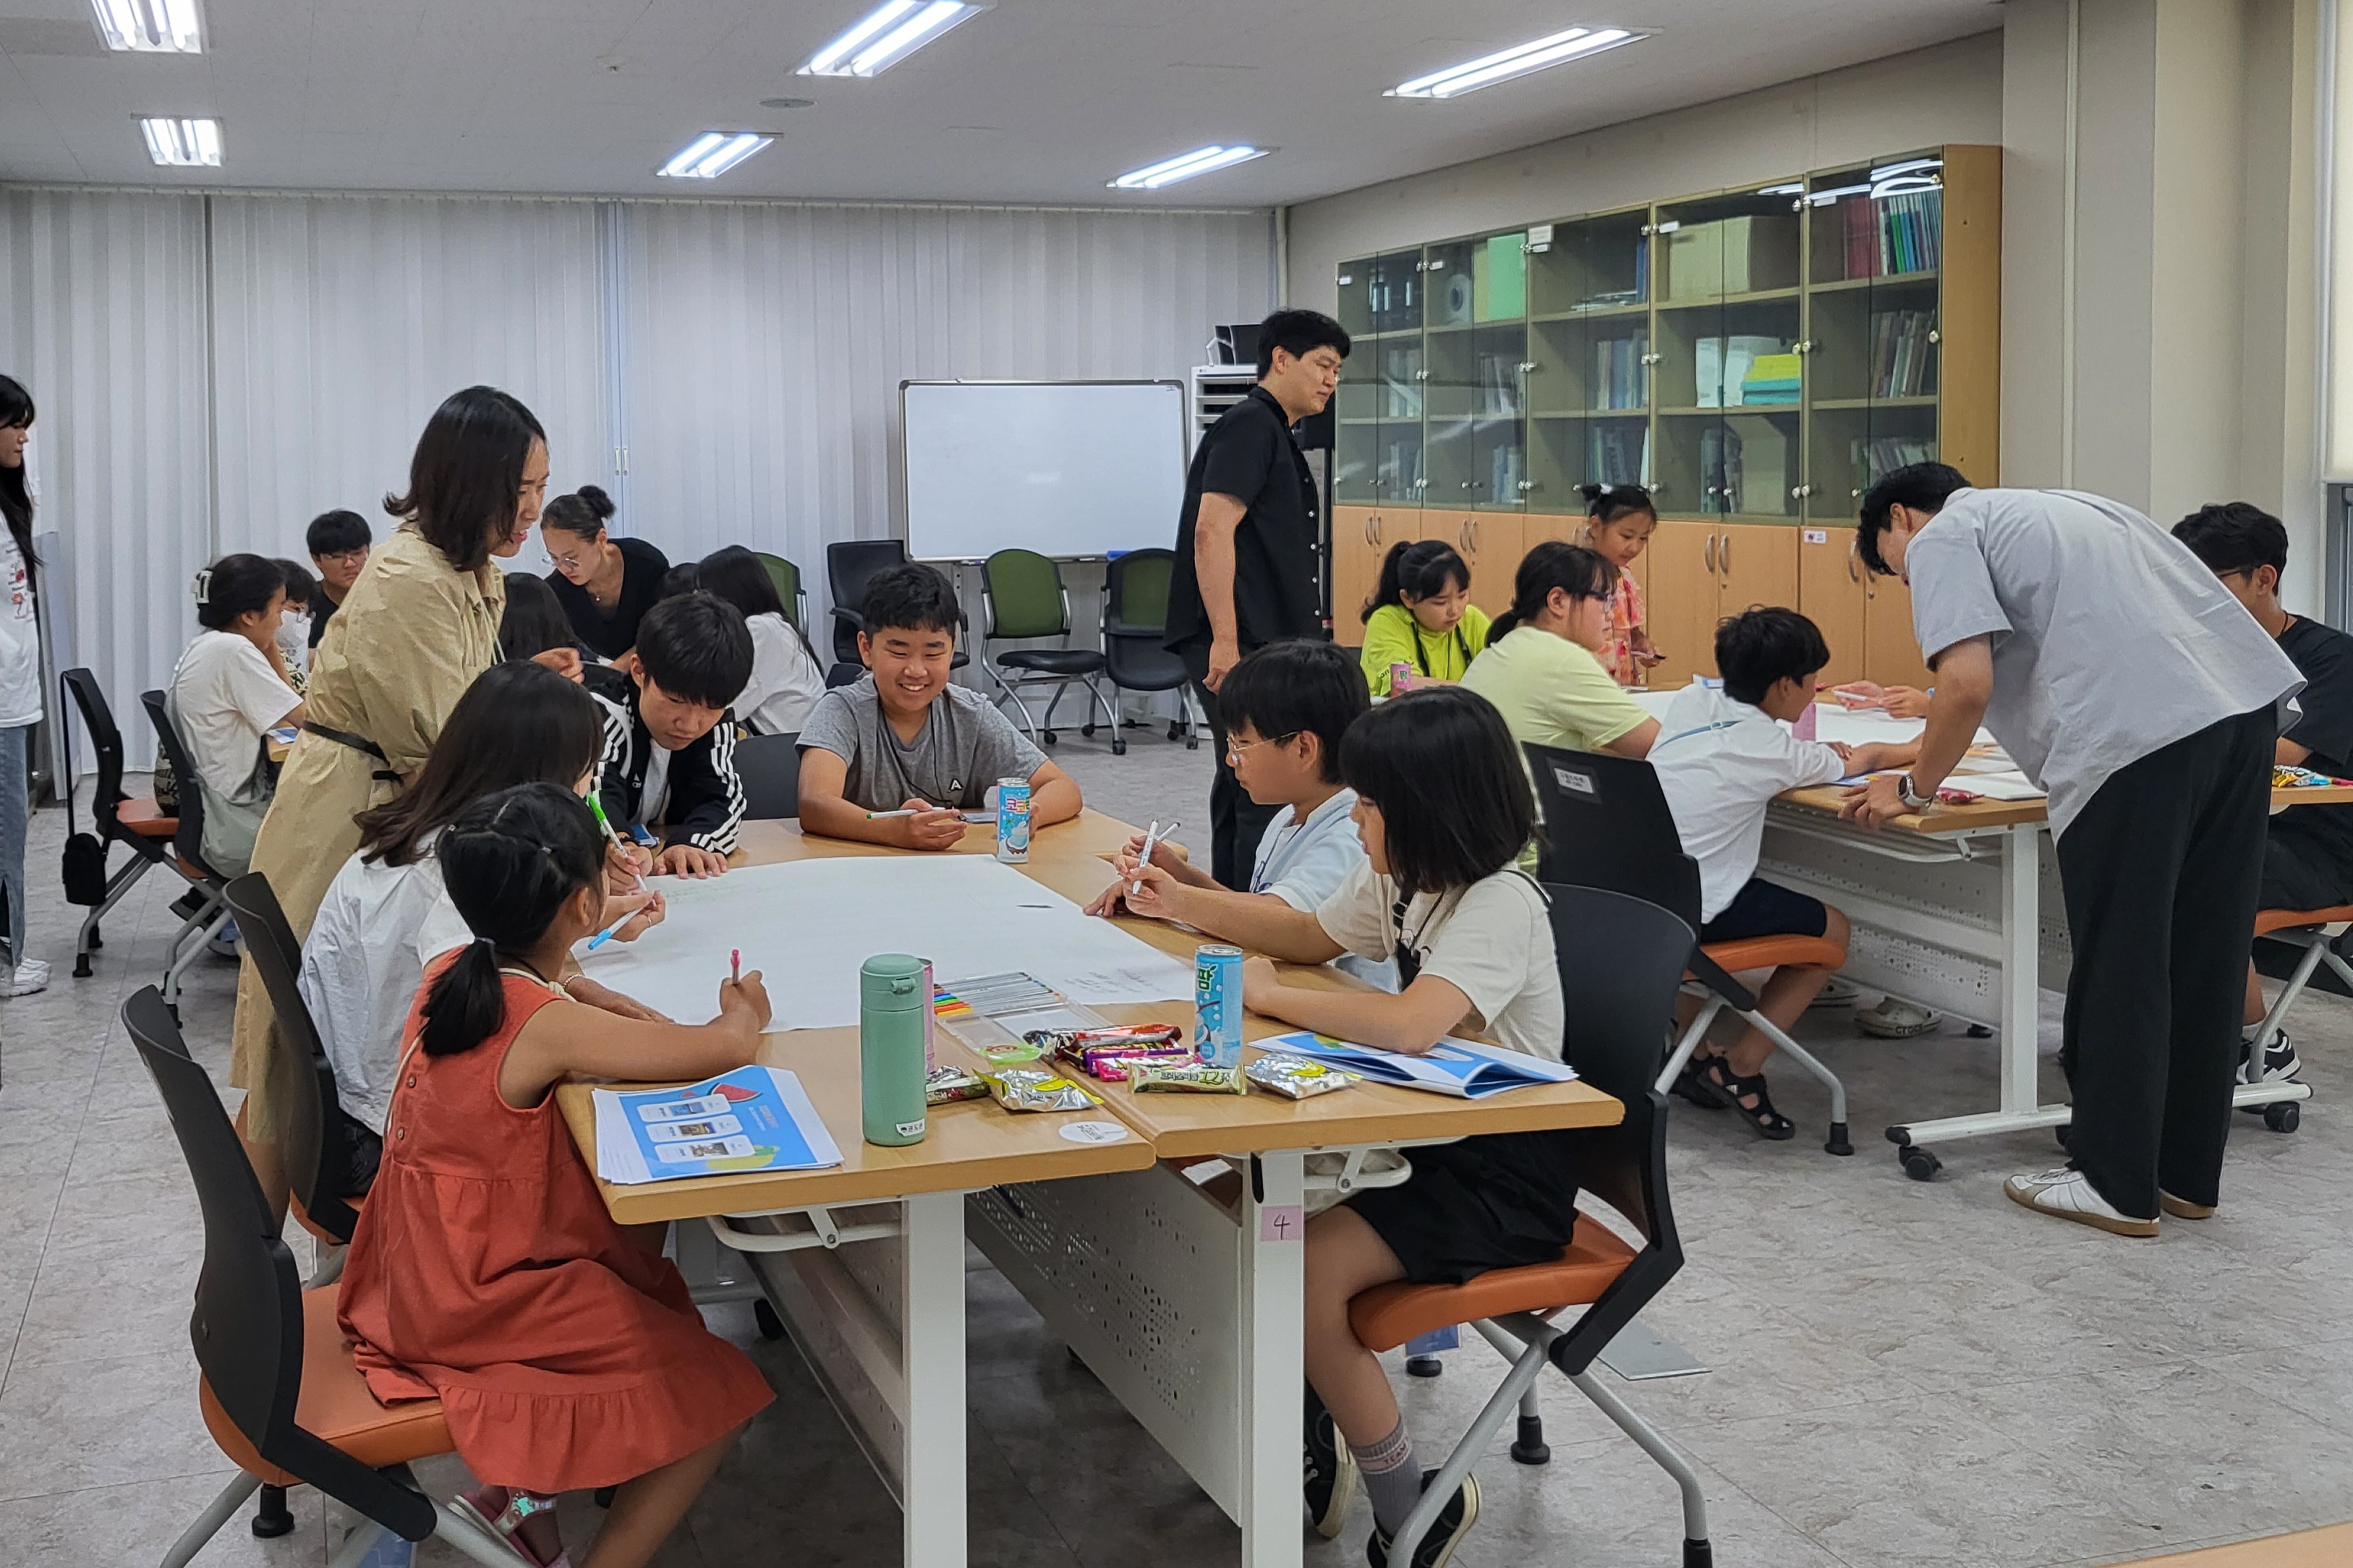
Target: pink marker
735 964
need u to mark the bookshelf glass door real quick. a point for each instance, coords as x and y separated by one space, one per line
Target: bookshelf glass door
1588 391
1729 381
1379 457
1451 358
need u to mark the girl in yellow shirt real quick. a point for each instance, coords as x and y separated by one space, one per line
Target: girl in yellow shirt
1420 615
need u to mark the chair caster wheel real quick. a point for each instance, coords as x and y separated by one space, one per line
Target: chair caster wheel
772 1327
604 1495
2282 1116
1424 1366
1048 736
1918 1163
1088 729
1980 1032
1839 1143
1698 1554
1192 743
1118 747
81 966
1529 1447
270 1518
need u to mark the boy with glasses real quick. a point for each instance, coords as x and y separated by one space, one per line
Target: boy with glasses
338 542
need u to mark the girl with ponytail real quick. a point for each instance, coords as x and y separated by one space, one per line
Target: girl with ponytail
485 1271
1420 615
1618 523
1540 669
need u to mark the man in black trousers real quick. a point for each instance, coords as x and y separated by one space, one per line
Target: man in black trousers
1248 548
2120 675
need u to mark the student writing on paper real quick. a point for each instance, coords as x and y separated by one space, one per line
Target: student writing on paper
1285 708
669 760
901 738
1540 669
1420 615
230 689
1722 756
1443 808
1619 521
485 1271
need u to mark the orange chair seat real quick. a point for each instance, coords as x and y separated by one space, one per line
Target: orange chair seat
302 1217
335 1407
190 870
1386 1316
2269 920
142 815
1772 952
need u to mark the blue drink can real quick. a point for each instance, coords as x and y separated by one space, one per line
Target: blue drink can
1217 1004
1013 820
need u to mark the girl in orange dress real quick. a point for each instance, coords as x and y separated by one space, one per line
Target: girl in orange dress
1618 523
485 1271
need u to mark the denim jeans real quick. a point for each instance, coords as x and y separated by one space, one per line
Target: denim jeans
14 745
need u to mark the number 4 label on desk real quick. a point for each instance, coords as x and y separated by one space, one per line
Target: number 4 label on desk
1281 1221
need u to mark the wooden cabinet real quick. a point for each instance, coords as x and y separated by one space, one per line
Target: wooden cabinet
1489 543
1890 655
1831 594
1701 572
1361 535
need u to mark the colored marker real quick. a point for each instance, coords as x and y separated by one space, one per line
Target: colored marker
1151 842
611 832
601 937
881 816
735 964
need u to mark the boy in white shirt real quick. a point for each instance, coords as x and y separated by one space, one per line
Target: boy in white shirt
231 688
1722 755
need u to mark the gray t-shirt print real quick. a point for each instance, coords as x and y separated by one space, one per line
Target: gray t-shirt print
965 746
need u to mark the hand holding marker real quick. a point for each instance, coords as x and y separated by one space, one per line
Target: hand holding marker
614 833
1151 841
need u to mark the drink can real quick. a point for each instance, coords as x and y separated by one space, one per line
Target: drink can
1400 677
1217 1004
1013 820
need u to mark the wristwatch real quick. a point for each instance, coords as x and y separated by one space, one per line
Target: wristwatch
1913 799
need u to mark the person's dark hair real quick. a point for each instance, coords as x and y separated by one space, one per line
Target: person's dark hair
509 862
1418 566
517 723
1605 504
1298 333
232 586
2235 536
1923 487
467 476
332 532
533 620
16 411
683 578
910 597
697 648
301 586
585 511
1757 648
1454 795
1297 687
1572 568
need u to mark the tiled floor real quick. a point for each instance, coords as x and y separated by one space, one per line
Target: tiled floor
1904 1374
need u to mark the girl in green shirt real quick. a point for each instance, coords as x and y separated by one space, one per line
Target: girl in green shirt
1420 615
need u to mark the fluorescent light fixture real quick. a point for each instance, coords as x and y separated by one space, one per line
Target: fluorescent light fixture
150 26
1186 166
1796 188
1908 166
1503 66
713 153
887 34
183 143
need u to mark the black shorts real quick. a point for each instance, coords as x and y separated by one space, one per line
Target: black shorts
1500 1201
1767 908
2303 868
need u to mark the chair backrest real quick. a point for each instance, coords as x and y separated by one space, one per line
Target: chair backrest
1135 591
190 838
849 565
106 740
313 1146
247 1324
1025 595
1607 825
788 579
770 767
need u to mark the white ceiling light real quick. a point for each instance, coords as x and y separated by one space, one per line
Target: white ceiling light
713 153
887 34
1186 166
183 143
150 26
1488 69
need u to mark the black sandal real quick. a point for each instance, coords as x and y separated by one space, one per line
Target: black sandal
1692 1084
1747 1096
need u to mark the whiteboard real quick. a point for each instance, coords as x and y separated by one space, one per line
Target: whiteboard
1064 468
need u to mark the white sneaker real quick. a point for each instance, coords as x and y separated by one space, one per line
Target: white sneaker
2281 1063
29 977
1897 1020
2065 1194
1835 993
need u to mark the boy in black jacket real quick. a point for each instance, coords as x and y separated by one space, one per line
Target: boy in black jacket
669 742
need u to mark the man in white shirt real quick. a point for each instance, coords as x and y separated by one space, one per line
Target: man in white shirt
2120 675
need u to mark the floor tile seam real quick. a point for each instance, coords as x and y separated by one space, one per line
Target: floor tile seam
147 1480
23 1314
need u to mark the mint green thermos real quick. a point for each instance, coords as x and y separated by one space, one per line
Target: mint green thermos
891 1011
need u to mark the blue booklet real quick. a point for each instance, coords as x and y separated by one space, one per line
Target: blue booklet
1465 1069
753 1119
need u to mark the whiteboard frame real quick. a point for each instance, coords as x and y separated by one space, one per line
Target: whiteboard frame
1183 443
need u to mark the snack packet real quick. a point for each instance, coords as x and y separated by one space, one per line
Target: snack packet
1188 1077
1297 1078
944 1084
1035 1089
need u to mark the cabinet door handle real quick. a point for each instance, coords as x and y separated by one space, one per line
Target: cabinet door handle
1851 574
1724 555
1707 554
1373 528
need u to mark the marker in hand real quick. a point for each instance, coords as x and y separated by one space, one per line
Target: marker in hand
601 937
735 965
615 835
1151 842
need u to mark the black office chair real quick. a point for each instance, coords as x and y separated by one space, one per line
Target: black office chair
212 912
1134 619
849 565
1608 824
280 1394
1622 963
134 820
770 767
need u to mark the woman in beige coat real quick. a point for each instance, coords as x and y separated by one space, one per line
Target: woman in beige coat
416 628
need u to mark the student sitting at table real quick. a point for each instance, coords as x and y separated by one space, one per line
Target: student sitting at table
386 915
901 740
668 760
1723 754
486 1271
786 681
1285 708
1443 808
294 626
230 689
1540 671
533 627
338 542
1420 615
2308 852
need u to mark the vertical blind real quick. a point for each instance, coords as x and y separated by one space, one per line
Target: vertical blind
214 371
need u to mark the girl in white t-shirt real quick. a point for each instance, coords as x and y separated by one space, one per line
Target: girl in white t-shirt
20 675
785 679
231 688
1444 809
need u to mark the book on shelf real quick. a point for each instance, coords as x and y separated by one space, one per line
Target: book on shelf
1903 359
1499 384
1505 473
1890 236
1875 460
1761 467
1723 369
1618 453
1621 379
1770 378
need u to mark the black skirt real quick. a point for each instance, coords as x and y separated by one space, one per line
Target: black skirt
1502 1201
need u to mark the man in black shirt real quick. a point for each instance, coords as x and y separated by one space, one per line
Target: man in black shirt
1248 548
2308 856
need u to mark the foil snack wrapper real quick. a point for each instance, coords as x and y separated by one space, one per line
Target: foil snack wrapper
1188 1078
944 1085
1035 1089
1297 1078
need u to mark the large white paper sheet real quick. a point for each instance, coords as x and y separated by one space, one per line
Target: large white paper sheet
806 926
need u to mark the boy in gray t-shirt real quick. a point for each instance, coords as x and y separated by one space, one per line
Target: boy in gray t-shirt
902 738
